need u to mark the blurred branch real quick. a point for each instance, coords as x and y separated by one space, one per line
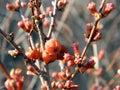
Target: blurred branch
107 87
2 67
94 45
115 57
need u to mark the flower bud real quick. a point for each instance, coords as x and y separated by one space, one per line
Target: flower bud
75 47
92 8
13 53
62 75
68 57
42 16
18 71
46 24
70 63
68 72
61 85
90 64
23 5
101 54
68 83
22 25
28 24
55 75
109 7
11 7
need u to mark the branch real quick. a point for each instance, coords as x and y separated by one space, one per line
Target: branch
27 60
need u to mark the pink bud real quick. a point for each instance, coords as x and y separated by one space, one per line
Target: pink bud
42 16
68 57
55 74
60 85
109 7
68 83
46 24
11 7
70 63
90 64
75 47
101 54
62 75
92 7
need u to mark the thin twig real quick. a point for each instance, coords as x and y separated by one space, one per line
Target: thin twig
94 45
52 24
117 54
102 5
111 82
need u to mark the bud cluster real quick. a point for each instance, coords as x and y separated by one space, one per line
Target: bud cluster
16 5
97 34
62 80
16 80
97 15
25 25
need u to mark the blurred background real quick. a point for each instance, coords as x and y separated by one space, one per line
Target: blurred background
71 24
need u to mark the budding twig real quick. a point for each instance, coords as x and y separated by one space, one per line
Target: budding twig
90 37
28 61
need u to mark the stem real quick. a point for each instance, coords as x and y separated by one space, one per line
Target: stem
52 25
96 62
2 67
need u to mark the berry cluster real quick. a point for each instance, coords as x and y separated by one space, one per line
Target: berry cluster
53 50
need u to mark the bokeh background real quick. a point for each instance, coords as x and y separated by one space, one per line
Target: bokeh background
71 24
